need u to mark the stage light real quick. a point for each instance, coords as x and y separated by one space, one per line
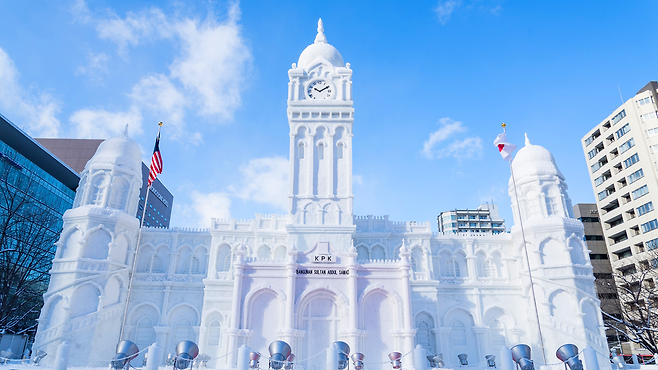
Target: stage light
290 362
395 359
186 352
202 361
568 354
37 356
436 362
279 352
463 359
253 360
357 360
521 355
343 353
491 360
126 351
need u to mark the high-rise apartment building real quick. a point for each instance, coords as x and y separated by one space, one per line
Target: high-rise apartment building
622 157
77 152
482 220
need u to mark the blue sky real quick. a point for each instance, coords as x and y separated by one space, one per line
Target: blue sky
432 82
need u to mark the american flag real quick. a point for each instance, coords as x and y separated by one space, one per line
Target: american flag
156 161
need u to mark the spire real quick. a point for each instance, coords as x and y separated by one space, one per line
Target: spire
320 38
527 141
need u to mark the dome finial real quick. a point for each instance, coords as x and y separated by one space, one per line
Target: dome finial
125 131
320 38
527 141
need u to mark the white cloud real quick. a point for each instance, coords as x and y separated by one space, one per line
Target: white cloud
158 95
213 62
210 205
445 8
96 68
467 148
264 180
148 25
448 128
357 179
34 110
99 123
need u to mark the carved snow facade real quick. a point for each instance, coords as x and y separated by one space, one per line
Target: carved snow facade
389 287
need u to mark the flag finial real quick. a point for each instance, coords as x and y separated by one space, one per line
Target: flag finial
160 123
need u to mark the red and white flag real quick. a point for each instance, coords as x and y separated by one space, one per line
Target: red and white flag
156 161
504 147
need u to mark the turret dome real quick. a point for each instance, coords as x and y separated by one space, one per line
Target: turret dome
320 49
121 151
534 160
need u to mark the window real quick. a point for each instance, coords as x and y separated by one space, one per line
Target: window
473 224
458 333
339 150
592 153
452 268
640 192
635 176
192 265
602 195
320 150
603 161
588 140
652 132
631 160
622 131
300 149
651 225
625 253
618 117
651 244
214 332
598 256
489 269
647 100
627 145
648 116
588 219
647 207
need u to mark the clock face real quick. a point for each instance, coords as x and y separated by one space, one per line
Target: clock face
320 89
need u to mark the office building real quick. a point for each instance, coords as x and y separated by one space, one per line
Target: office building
77 152
606 290
36 188
482 220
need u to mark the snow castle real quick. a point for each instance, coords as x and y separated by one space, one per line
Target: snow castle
318 274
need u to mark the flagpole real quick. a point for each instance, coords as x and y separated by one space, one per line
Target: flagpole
525 249
139 237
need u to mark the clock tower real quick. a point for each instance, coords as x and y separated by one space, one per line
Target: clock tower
320 114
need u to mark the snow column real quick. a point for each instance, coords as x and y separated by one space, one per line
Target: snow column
291 267
407 332
238 271
353 329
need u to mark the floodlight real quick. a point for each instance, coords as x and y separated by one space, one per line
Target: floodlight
395 359
357 359
37 356
126 351
186 352
521 355
463 359
290 361
146 356
201 360
568 354
619 361
436 361
343 352
491 360
170 359
253 360
279 352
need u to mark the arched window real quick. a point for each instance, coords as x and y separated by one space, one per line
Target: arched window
424 335
551 205
228 261
320 150
489 269
98 188
496 333
119 192
458 333
452 268
362 253
300 149
145 333
155 264
414 267
183 331
214 332
192 265
339 150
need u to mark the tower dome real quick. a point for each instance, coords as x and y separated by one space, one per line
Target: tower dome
120 151
320 49
534 160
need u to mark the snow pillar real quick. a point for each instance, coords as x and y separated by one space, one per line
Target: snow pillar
420 358
243 357
505 359
408 332
238 271
62 357
589 354
332 357
154 356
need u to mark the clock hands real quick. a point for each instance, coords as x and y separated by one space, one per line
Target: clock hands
326 87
